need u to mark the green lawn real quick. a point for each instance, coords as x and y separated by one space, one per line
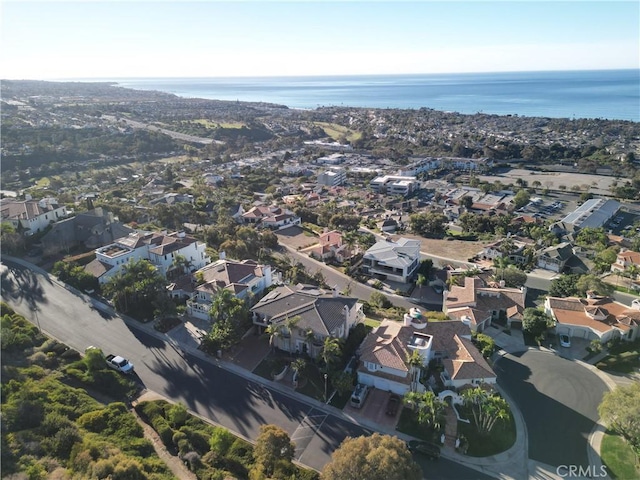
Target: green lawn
336 131
501 438
370 322
624 362
618 457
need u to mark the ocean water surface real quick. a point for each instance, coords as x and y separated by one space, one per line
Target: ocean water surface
606 94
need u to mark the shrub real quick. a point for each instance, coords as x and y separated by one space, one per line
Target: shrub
164 430
221 440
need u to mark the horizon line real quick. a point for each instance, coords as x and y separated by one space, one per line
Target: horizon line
105 78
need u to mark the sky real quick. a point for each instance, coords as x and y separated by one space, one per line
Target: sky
125 39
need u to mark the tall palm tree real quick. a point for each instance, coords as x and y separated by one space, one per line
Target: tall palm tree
274 331
289 326
331 352
501 263
416 362
309 338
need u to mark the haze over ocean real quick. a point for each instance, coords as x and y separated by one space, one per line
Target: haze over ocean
605 94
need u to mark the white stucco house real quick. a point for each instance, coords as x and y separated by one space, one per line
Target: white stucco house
385 352
161 249
31 216
397 261
247 280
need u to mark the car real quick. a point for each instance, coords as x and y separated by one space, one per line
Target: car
429 450
565 340
392 404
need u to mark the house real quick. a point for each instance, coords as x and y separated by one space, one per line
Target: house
478 304
396 261
31 216
512 248
627 260
384 355
594 317
247 280
159 248
555 258
90 229
316 313
331 246
271 216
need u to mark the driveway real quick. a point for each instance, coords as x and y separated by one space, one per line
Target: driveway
558 398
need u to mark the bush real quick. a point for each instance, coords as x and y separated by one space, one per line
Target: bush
165 431
221 440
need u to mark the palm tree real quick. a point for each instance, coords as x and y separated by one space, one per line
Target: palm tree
274 330
429 408
331 352
486 408
501 263
298 366
289 325
416 362
309 338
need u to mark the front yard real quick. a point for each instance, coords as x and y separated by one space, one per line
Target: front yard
501 438
622 359
619 458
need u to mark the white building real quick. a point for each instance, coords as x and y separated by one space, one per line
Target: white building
396 261
333 177
160 249
394 185
31 216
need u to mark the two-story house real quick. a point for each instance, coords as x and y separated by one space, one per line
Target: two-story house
627 260
161 249
331 246
397 261
555 258
385 352
512 248
247 280
304 316
31 216
478 304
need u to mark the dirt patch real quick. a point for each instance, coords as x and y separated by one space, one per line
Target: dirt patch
453 249
296 237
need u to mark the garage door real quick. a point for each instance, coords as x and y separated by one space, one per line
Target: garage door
381 384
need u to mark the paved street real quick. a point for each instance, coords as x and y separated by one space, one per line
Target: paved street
558 399
215 393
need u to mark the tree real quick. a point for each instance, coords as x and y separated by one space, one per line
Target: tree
376 457
564 286
298 366
521 198
379 300
535 322
331 352
229 316
430 225
429 408
273 445
590 282
135 288
416 362
513 277
486 408
620 410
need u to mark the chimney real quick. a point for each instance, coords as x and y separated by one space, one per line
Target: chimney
335 291
502 283
222 255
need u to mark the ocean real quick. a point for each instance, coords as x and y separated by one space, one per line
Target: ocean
605 94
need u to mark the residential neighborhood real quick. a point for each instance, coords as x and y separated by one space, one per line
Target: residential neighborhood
337 280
